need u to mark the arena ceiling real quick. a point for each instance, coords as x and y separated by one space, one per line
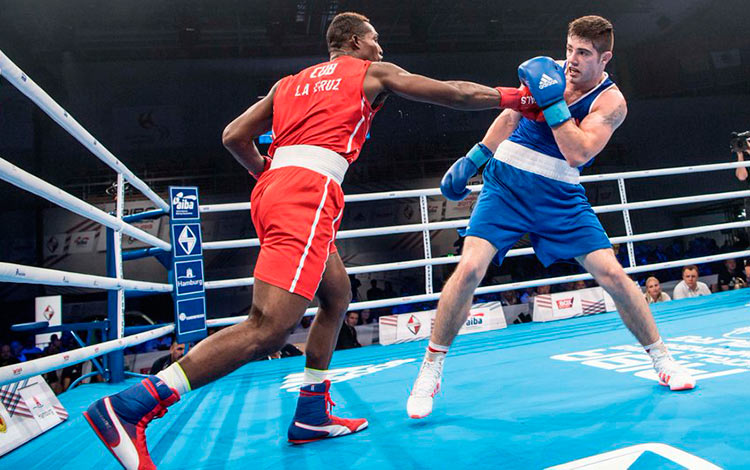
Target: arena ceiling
148 29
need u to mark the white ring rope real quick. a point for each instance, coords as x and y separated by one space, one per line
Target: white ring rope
504 287
52 193
26 85
24 370
412 193
249 281
18 273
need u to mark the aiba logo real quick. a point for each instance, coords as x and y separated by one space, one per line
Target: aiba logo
17 371
565 303
184 202
414 325
475 319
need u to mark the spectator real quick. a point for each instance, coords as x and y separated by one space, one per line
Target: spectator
508 297
348 334
690 286
578 285
389 293
70 374
747 272
17 349
355 283
740 148
654 293
6 356
374 292
730 276
52 378
176 351
527 296
365 317
30 351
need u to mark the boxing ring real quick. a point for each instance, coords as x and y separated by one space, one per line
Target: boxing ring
530 396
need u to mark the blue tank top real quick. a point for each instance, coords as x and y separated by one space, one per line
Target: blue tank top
538 135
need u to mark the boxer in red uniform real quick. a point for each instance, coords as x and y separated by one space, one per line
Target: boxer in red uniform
320 118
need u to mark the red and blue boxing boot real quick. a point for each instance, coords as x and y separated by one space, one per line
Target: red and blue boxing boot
313 420
120 420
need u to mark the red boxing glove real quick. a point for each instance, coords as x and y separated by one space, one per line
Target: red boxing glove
266 166
520 99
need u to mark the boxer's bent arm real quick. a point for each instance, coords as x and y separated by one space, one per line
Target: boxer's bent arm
580 143
741 172
501 128
239 134
451 94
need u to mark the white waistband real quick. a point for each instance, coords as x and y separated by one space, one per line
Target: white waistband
318 159
535 162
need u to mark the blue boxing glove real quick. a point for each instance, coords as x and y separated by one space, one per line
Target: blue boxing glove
545 78
453 184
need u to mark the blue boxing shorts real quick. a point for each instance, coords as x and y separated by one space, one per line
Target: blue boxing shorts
556 215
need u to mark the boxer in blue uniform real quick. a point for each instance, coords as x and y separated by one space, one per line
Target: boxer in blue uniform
531 185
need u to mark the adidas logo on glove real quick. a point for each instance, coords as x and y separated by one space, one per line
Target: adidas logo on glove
546 81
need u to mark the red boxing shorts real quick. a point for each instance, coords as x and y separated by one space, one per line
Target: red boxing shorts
296 212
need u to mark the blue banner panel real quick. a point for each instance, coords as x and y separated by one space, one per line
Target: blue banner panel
188 277
191 319
184 203
186 239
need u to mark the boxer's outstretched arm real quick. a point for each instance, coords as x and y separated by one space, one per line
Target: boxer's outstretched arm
239 134
579 143
384 77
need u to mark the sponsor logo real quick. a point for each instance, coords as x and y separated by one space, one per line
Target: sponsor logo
48 312
81 240
20 273
414 325
705 357
475 319
184 317
742 334
293 382
189 279
546 81
565 303
627 457
187 240
185 202
66 357
52 244
17 371
3 426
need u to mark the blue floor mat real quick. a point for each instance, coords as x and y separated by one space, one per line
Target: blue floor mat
528 397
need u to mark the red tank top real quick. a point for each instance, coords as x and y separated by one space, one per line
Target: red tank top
324 105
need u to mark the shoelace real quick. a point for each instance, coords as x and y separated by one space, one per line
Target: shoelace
329 404
429 376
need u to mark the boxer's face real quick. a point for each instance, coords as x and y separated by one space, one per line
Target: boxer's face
368 46
585 64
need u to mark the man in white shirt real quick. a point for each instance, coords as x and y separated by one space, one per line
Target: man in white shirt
690 286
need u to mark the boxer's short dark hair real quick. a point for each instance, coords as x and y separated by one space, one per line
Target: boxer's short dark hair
596 29
344 26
